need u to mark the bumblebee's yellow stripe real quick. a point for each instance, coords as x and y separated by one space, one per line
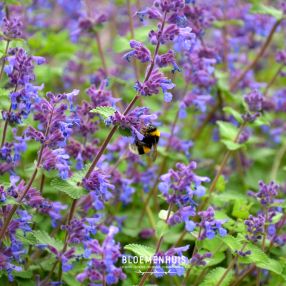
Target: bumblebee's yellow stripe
155 133
146 149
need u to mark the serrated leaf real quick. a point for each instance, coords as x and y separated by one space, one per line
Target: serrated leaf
256 256
104 111
214 276
233 243
69 187
44 238
259 8
28 238
271 265
261 260
141 250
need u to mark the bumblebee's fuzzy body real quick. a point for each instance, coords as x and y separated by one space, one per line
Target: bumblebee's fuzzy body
150 140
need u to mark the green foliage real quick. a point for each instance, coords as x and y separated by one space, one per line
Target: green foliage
260 8
228 133
121 45
214 276
43 237
241 209
140 250
233 243
72 188
104 111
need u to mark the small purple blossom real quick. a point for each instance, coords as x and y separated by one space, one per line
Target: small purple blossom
209 225
254 100
156 81
139 52
255 227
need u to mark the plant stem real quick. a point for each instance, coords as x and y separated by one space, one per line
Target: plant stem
43 178
5 128
259 55
7 122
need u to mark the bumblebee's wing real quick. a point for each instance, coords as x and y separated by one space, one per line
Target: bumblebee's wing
133 148
154 152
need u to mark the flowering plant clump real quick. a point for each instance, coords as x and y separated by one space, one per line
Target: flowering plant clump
142 142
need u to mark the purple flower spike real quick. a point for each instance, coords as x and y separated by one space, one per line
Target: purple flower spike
255 227
139 52
12 28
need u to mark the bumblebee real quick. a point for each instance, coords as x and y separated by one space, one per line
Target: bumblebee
148 143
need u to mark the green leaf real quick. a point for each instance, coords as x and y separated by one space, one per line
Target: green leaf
234 113
27 274
44 238
227 130
276 218
70 187
125 132
261 260
220 185
214 276
121 44
233 243
262 120
259 8
215 259
256 256
141 250
271 265
241 209
104 111
70 279
232 146
28 238
161 228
